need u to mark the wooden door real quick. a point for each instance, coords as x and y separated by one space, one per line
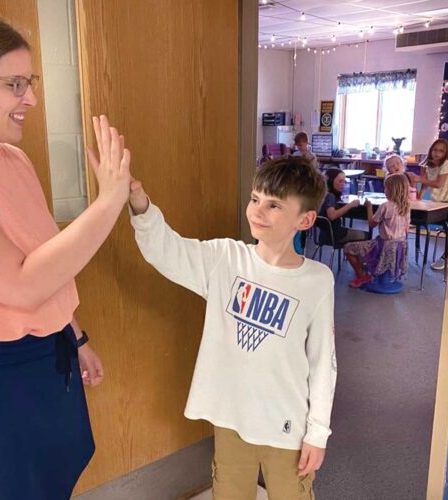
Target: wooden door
166 73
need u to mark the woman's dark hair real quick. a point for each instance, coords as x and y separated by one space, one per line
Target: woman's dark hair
331 175
10 39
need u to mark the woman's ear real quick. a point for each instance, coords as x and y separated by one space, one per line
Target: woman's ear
306 220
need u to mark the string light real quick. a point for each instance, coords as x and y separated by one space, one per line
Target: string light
273 38
302 16
401 29
361 34
304 42
308 49
395 31
334 49
427 23
315 51
259 45
333 38
371 30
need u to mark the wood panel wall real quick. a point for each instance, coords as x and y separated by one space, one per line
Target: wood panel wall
166 73
22 15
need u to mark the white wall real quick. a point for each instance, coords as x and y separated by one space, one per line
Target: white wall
316 80
63 106
275 84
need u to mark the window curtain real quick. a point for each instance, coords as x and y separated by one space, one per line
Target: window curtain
385 80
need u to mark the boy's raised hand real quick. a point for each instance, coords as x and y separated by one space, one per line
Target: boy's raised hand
311 458
112 167
138 199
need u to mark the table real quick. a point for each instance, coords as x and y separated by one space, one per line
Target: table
423 213
369 166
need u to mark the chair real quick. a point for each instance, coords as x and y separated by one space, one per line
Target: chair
390 268
274 150
323 236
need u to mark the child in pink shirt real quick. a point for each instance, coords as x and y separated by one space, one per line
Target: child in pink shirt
387 252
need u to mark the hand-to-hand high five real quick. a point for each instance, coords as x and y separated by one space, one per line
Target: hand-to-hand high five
112 167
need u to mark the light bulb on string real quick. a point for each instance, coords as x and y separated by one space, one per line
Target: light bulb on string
401 29
315 51
427 23
304 41
273 37
333 38
371 30
361 34
302 16
395 31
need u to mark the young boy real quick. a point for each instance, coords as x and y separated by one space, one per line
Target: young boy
266 369
303 149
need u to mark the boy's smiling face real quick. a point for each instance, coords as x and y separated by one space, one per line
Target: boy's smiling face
275 220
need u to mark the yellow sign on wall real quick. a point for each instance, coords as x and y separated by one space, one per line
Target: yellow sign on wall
326 116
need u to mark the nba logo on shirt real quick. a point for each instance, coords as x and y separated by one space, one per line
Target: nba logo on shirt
259 311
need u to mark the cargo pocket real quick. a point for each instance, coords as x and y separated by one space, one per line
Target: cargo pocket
306 487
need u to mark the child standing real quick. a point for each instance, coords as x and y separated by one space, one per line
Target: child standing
434 176
266 370
302 148
388 252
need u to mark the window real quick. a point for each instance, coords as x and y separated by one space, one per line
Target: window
372 110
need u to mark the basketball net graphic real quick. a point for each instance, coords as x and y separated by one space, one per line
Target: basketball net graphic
249 336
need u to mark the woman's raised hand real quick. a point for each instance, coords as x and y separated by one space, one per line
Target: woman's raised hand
112 167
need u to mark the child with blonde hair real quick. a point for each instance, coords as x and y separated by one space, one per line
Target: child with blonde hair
388 251
394 164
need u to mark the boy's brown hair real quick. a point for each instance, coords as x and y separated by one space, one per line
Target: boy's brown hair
300 137
292 176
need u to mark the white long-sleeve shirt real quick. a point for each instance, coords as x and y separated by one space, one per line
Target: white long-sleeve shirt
266 366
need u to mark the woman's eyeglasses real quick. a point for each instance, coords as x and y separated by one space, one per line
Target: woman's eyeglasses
19 84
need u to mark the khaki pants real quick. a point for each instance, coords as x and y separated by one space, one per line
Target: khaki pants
236 465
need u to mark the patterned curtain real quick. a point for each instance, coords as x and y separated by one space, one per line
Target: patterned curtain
384 80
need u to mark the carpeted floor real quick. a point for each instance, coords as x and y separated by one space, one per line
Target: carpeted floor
387 349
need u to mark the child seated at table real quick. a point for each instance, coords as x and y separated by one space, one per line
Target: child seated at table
335 185
434 177
388 251
394 164
302 148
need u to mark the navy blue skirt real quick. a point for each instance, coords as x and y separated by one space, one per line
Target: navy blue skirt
45 435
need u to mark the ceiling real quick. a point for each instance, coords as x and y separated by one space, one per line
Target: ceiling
285 24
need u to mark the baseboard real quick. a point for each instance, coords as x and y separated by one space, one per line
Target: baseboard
187 470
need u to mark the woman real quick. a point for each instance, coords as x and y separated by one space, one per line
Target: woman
46 440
